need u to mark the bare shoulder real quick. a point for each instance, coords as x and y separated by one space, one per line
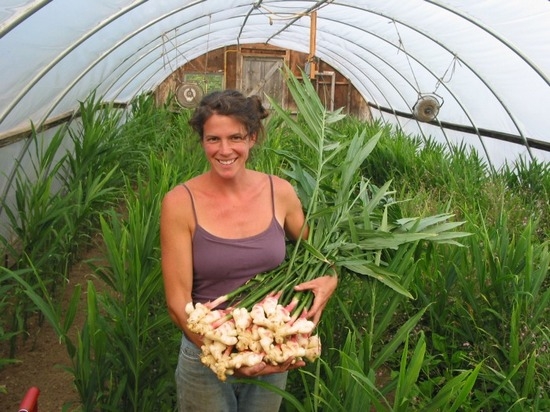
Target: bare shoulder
290 206
283 188
176 206
176 196
285 193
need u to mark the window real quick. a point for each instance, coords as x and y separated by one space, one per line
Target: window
208 82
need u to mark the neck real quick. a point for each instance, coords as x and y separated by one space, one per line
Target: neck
235 184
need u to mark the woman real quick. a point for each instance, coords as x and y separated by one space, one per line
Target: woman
218 230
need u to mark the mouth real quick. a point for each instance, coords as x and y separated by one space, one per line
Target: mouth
227 162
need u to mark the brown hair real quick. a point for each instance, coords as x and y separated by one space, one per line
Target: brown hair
247 110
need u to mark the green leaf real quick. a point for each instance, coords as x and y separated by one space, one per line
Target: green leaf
376 240
375 272
398 338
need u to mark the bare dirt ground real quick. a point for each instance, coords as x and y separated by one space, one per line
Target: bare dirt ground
42 358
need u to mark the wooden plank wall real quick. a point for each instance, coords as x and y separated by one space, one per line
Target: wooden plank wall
227 61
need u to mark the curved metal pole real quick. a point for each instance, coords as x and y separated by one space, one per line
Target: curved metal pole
294 20
395 115
37 5
24 148
187 34
101 57
497 97
32 82
147 52
254 7
456 98
397 118
493 33
390 66
154 74
10 24
40 75
487 85
317 5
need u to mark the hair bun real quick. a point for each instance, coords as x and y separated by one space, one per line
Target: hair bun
258 107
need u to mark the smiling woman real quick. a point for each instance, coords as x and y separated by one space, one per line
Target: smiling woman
219 230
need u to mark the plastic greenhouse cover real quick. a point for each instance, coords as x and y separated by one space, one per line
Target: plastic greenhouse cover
488 62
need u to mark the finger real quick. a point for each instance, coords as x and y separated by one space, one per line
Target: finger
316 318
253 370
302 286
297 364
310 284
259 367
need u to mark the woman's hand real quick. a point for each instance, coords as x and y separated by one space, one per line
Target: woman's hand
264 368
323 288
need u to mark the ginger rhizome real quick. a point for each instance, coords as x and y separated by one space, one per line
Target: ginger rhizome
236 337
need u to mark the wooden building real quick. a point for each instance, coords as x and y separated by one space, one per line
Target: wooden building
255 69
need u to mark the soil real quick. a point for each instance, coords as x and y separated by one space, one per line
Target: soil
42 358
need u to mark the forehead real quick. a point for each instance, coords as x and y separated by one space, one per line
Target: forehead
219 125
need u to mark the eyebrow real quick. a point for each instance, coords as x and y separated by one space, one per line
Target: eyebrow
238 134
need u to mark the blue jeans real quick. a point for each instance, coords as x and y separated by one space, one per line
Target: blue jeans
199 389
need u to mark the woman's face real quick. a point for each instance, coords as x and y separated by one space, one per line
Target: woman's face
226 144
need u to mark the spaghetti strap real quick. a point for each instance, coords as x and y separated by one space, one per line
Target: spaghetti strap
272 195
192 203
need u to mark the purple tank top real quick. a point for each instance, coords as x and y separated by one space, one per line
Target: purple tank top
221 265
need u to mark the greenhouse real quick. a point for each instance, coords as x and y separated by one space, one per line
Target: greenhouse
414 133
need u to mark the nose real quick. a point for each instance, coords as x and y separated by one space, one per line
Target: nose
225 146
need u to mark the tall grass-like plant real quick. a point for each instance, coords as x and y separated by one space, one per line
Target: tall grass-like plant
129 341
38 208
134 310
473 291
347 216
56 202
97 148
350 226
517 298
32 285
119 342
367 365
530 182
38 221
354 359
11 296
490 301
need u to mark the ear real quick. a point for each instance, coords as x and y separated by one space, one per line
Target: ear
253 139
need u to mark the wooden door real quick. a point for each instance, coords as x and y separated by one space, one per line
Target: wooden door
262 76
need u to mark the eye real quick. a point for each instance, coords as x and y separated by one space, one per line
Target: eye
237 138
211 139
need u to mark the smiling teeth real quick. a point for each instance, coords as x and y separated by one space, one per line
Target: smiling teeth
226 162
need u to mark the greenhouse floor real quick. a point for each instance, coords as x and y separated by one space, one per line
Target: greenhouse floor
43 358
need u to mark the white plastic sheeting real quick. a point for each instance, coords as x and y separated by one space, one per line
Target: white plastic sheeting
488 61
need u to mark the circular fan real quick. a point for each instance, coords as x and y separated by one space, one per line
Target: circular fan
426 108
189 95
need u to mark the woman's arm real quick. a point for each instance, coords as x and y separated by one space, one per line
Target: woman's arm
292 210
176 256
